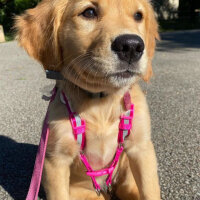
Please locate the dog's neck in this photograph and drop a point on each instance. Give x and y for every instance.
(74, 91)
(58, 76)
(79, 96)
(81, 99)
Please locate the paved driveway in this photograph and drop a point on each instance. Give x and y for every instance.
(174, 100)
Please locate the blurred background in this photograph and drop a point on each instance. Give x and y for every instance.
(172, 14)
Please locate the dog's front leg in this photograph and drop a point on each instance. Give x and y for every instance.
(61, 151)
(143, 165)
(56, 180)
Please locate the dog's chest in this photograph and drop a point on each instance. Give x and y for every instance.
(101, 137)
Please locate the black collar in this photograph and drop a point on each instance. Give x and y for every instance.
(54, 75)
(58, 76)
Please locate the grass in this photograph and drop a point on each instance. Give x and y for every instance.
(9, 37)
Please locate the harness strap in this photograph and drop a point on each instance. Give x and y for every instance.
(39, 162)
(92, 176)
(78, 126)
(125, 124)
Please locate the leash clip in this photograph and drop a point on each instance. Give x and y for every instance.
(109, 189)
(98, 191)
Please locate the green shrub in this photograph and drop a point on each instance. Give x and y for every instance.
(10, 8)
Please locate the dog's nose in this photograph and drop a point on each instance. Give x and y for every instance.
(129, 48)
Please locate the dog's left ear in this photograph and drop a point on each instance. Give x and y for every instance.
(37, 32)
(151, 37)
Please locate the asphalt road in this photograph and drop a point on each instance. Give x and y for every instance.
(174, 100)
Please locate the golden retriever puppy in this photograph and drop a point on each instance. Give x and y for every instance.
(101, 48)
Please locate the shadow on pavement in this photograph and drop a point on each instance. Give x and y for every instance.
(179, 40)
(16, 166)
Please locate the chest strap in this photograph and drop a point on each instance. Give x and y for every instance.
(78, 126)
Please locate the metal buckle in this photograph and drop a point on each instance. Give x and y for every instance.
(77, 129)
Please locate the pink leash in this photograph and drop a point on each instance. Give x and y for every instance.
(39, 162)
(78, 126)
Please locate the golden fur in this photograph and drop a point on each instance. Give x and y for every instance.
(61, 39)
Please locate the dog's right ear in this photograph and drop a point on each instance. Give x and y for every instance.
(37, 32)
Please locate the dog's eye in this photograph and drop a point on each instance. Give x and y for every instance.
(138, 16)
(89, 13)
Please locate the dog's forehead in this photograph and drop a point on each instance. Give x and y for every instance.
(111, 4)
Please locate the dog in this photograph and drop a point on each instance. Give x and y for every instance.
(102, 48)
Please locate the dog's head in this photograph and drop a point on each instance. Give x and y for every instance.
(96, 44)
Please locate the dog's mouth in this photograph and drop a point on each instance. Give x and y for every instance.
(124, 74)
(95, 74)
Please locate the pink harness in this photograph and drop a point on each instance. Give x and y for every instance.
(78, 126)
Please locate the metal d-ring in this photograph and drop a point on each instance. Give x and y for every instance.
(98, 191)
(109, 189)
